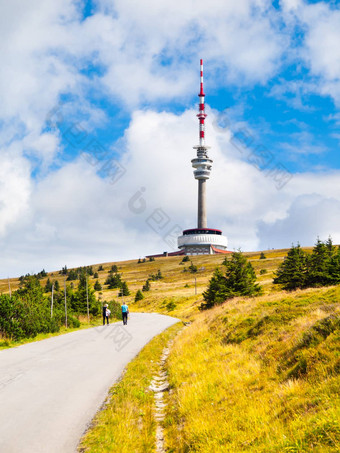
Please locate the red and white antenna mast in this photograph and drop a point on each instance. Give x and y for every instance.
(201, 115)
(202, 164)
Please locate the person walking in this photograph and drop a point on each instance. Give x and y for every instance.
(125, 312)
(106, 314)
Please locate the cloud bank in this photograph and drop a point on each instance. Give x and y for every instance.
(138, 59)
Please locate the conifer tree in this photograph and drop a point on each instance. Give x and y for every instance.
(48, 286)
(79, 299)
(139, 296)
(97, 286)
(147, 286)
(56, 286)
(239, 279)
(302, 270)
(114, 281)
(319, 264)
(292, 272)
(124, 289)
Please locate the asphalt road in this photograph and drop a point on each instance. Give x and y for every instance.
(50, 390)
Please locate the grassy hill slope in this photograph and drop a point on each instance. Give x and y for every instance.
(175, 293)
(254, 374)
(259, 375)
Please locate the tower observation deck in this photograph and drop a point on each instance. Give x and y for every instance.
(202, 240)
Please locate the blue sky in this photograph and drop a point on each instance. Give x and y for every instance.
(99, 101)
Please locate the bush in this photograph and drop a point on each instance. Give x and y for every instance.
(72, 322)
(262, 256)
(185, 259)
(263, 271)
(192, 268)
(27, 312)
(157, 276)
(116, 310)
(171, 305)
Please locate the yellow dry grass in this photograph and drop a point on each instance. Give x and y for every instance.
(255, 375)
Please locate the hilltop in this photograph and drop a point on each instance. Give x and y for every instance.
(175, 292)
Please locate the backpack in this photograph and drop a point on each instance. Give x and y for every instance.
(108, 312)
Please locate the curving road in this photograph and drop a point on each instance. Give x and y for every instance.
(50, 390)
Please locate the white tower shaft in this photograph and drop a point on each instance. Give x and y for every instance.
(202, 163)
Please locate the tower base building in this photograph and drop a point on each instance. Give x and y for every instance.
(206, 241)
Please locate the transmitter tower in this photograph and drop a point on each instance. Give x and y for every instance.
(202, 240)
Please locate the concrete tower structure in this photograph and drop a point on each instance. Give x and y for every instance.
(202, 164)
(202, 240)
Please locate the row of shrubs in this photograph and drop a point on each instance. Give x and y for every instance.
(27, 311)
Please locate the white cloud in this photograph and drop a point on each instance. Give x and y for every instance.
(320, 49)
(308, 217)
(75, 217)
(146, 51)
(239, 39)
(15, 188)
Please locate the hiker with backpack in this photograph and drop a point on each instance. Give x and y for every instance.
(106, 314)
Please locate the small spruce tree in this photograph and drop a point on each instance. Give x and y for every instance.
(147, 286)
(193, 268)
(292, 272)
(124, 289)
(239, 279)
(48, 286)
(139, 295)
(97, 286)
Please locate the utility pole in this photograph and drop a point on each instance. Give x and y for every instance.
(9, 287)
(65, 302)
(52, 301)
(87, 300)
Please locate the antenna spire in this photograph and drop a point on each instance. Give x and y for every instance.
(201, 115)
